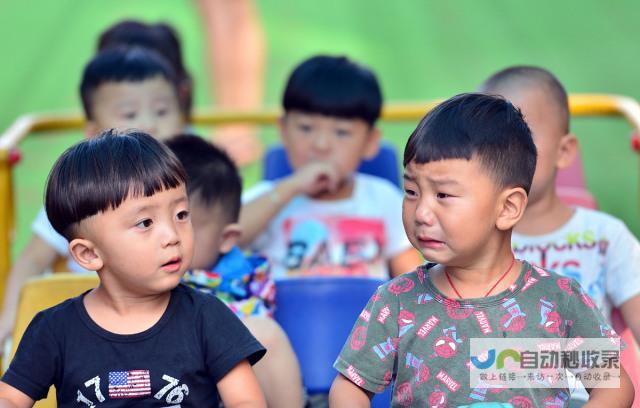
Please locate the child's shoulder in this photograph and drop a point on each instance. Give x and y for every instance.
(595, 225)
(200, 304)
(537, 274)
(585, 223)
(404, 286)
(212, 317)
(62, 309)
(543, 283)
(589, 216)
(58, 320)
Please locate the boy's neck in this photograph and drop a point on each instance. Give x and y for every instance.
(123, 313)
(495, 270)
(544, 216)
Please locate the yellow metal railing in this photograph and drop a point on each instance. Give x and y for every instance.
(580, 105)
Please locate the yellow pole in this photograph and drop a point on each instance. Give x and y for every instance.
(6, 219)
(580, 105)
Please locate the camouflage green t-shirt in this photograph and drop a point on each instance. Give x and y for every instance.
(411, 334)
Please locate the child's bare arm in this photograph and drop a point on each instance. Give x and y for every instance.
(630, 311)
(256, 214)
(344, 393)
(10, 397)
(613, 397)
(404, 262)
(34, 260)
(240, 388)
(310, 179)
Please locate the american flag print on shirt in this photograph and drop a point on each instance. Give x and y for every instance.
(129, 384)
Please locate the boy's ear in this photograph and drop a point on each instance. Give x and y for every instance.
(85, 254)
(567, 151)
(513, 202)
(231, 234)
(373, 143)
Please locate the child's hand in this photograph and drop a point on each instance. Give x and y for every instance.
(316, 178)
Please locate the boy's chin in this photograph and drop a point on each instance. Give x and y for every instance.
(343, 190)
(320, 194)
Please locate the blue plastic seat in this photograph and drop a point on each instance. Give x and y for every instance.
(384, 164)
(317, 313)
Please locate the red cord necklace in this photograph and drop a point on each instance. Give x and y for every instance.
(513, 261)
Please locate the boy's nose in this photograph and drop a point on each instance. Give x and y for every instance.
(321, 142)
(424, 214)
(170, 236)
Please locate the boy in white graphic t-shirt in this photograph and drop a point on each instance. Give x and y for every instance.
(325, 218)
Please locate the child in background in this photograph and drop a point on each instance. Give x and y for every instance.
(120, 88)
(163, 39)
(325, 219)
(221, 269)
(128, 88)
(158, 37)
(589, 246)
(468, 169)
(140, 337)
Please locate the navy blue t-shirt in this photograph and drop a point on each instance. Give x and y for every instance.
(176, 362)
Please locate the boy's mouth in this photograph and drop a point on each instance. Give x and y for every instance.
(173, 265)
(430, 243)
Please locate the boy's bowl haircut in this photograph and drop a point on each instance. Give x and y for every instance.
(160, 38)
(98, 174)
(477, 125)
(133, 64)
(334, 86)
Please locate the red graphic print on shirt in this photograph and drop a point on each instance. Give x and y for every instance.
(334, 246)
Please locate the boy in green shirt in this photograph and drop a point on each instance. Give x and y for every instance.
(468, 170)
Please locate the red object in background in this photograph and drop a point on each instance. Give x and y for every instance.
(14, 157)
(635, 141)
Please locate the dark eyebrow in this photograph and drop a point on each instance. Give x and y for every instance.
(436, 181)
(179, 200)
(143, 209)
(442, 181)
(408, 177)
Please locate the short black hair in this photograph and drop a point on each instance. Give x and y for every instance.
(211, 175)
(159, 37)
(477, 125)
(334, 86)
(526, 77)
(98, 174)
(133, 64)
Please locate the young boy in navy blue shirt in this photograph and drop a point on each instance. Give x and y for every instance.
(123, 88)
(140, 337)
